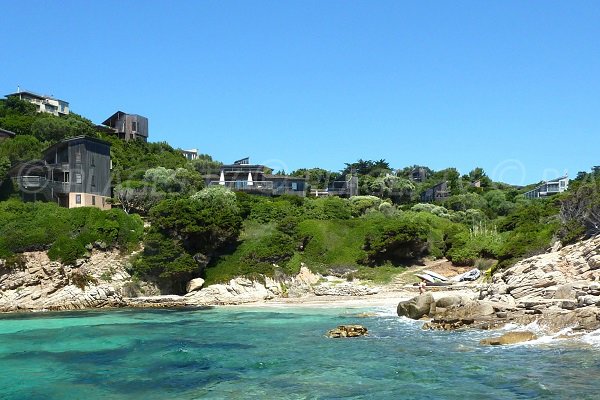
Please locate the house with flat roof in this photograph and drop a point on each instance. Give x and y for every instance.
(127, 126)
(191, 154)
(549, 188)
(4, 134)
(257, 179)
(73, 173)
(44, 103)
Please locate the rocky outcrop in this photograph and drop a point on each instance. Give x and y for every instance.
(344, 289)
(236, 291)
(48, 285)
(349, 331)
(558, 290)
(569, 273)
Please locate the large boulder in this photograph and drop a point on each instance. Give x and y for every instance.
(417, 307)
(509, 338)
(449, 301)
(194, 284)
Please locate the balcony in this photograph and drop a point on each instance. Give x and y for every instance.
(31, 182)
(40, 183)
(255, 186)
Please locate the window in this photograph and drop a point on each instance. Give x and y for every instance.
(77, 199)
(92, 162)
(78, 178)
(78, 156)
(294, 185)
(93, 180)
(93, 200)
(134, 126)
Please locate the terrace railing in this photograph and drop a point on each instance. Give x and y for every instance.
(245, 185)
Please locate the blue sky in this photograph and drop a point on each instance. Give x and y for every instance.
(510, 86)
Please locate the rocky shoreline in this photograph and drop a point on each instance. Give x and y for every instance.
(102, 281)
(558, 290)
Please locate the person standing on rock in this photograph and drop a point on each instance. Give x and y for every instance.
(422, 285)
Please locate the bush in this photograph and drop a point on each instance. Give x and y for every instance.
(396, 241)
(81, 280)
(41, 226)
(66, 249)
(480, 242)
(360, 204)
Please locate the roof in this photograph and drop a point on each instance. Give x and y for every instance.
(557, 179)
(8, 133)
(75, 138)
(32, 94)
(116, 116)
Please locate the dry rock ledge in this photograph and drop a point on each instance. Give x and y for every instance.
(559, 289)
(101, 281)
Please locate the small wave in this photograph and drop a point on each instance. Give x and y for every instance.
(386, 312)
(592, 338)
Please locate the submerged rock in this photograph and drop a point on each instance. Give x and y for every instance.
(343, 331)
(509, 338)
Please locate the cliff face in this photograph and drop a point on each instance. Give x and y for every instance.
(97, 282)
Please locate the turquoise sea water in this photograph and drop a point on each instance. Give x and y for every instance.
(242, 353)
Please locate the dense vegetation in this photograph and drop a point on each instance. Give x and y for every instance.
(214, 233)
(67, 234)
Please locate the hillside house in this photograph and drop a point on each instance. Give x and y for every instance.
(190, 155)
(73, 173)
(549, 188)
(255, 178)
(439, 192)
(128, 126)
(44, 103)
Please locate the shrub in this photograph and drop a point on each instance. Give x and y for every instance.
(81, 280)
(66, 249)
(396, 240)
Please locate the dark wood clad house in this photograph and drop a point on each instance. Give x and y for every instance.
(128, 126)
(74, 173)
(438, 192)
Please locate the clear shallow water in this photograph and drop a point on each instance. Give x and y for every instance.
(240, 353)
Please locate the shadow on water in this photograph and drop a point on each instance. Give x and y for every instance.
(100, 312)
